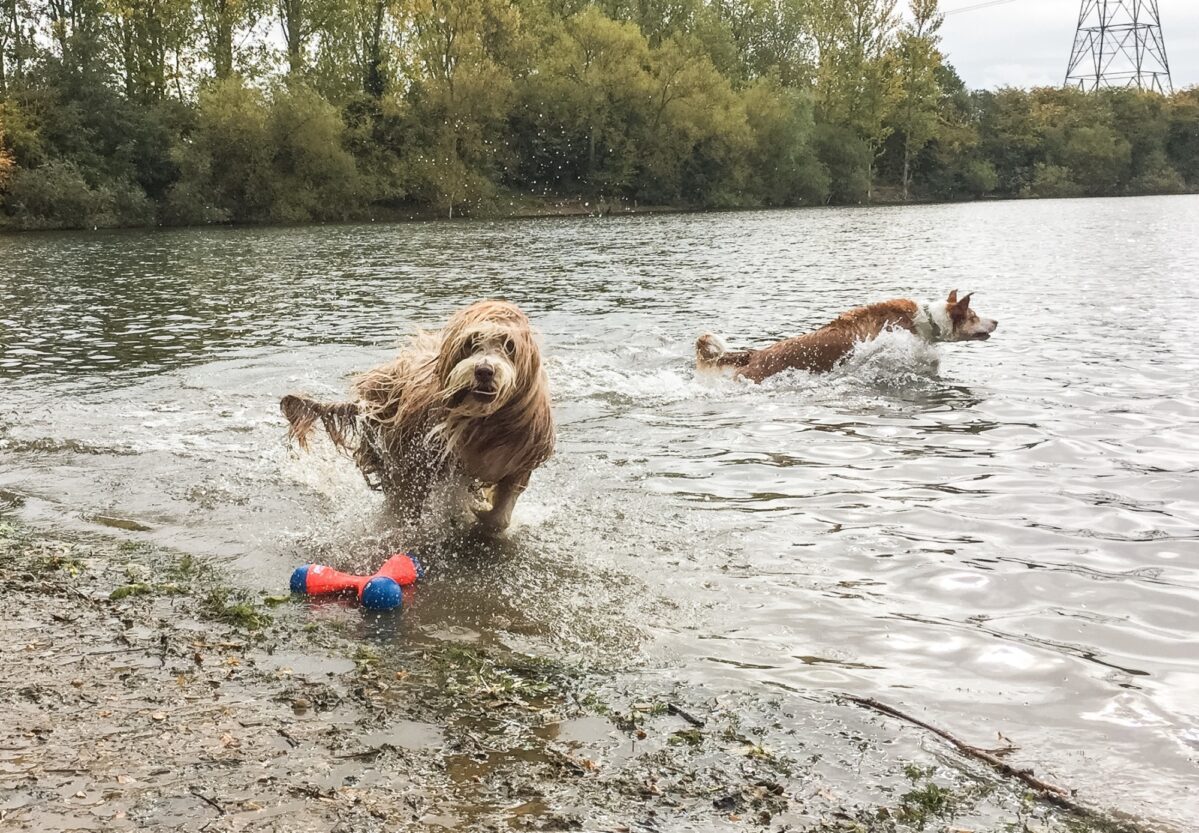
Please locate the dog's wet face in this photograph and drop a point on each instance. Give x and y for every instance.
(967, 325)
(484, 375)
(486, 362)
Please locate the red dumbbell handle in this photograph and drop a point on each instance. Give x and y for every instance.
(321, 580)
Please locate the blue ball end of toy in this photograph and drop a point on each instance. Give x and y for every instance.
(382, 593)
(299, 580)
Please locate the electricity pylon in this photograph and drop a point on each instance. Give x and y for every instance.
(1119, 44)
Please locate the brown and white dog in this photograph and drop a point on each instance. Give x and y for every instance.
(469, 403)
(822, 350)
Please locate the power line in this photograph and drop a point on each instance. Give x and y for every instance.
(976, 7)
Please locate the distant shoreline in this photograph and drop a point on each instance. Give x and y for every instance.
(543, 208)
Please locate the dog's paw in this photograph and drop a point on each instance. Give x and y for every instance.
(491, 521)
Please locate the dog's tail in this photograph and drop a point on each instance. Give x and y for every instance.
(340, 420)
(711, 352)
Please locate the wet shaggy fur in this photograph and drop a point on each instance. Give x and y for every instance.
(469, 403)
(822, 350)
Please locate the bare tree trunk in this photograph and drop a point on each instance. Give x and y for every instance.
(372, 82)
(156, 82)
(9, 20)
(222, 46)
(223, 59)
(128, 58)
(292, 13)
(907, 165)
(591, 153)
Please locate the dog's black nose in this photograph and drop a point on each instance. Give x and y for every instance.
(484, 373)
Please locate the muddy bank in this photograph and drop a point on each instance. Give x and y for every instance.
(143, 689)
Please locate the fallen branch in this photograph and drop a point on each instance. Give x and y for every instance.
(1052, 793)
(211, 802)
(678, 711)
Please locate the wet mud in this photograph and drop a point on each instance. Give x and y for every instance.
(147, 690)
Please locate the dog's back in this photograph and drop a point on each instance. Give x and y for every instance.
(816, 352)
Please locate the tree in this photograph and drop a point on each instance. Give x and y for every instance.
(221, 22)
(130, 111)
(695, 137)
(77, 30)
(1183, 142)
(460, 96)
(953, 164)
(301, 20)
(781, 159)
(768, 36)
(16, 41)
(578, 110)
(855, 81)
(312, 175)
(148, 34)
(7, 164)
(919, 60)
(226, 159)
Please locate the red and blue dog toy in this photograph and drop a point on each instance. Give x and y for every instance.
(381, 591)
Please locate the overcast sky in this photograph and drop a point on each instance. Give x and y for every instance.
(1026, 43)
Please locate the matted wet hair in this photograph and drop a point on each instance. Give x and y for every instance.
(414, 417)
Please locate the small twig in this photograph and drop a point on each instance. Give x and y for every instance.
(1050, 792)
(77, 592)
(211, 802)
(367, 754)
(686, 715)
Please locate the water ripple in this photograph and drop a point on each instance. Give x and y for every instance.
(1007, 534)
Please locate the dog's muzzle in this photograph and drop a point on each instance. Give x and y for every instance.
(484, 386)
(991, 326)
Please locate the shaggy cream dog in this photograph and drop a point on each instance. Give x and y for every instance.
(469, 404)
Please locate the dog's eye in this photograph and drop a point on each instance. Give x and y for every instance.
(510, 347)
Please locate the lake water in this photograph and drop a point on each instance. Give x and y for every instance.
(1008, 541)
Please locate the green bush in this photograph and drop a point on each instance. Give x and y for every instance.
(783, 166)
(979, 178)
(1157, 177)
(846, 157)
(313, 177)
(1053, 181)
(56, 195)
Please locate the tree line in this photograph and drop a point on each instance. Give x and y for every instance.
(132, 112)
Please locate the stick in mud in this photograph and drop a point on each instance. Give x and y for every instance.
(1050, 792)
(678, 710)
(212, 802)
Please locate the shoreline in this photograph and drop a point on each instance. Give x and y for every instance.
(535, 208)
(147, 690)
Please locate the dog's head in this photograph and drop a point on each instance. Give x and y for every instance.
(488, 358)
(965, 324)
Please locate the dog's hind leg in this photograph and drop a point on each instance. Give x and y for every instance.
(340, 420)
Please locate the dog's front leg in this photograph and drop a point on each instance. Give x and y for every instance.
(503, 500)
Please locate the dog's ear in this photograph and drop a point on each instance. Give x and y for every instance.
(963, 306)
(953, 297)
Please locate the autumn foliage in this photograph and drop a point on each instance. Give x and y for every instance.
(206, 111)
